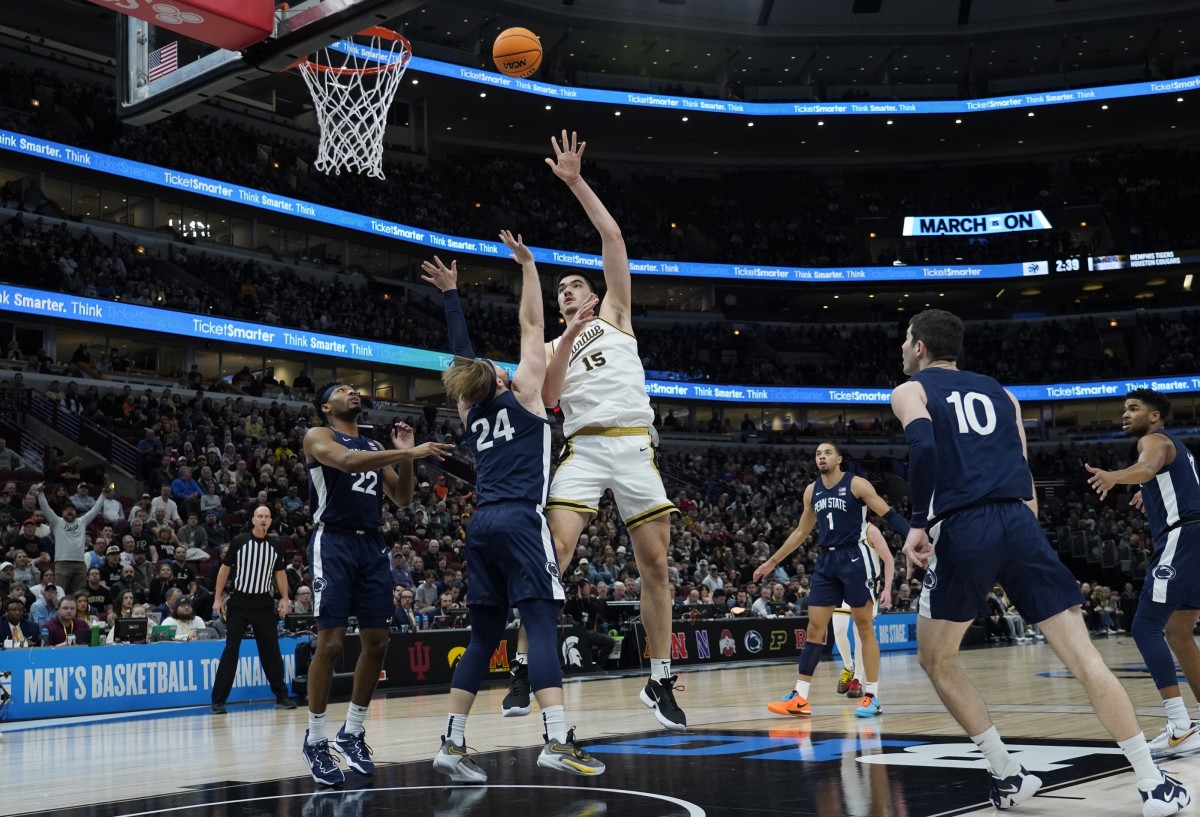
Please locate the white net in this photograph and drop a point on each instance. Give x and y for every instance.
(352, 85)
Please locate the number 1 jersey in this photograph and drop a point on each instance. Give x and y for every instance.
(978, 447)
(512, 452)
(347, 501)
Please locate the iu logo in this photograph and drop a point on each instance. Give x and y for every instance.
(418, 659)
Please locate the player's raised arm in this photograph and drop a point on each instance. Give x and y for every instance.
(320, 445)
(618, 300)
(531, 369)
(865, 492)
(446, 279)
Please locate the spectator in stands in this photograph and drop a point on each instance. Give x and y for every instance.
(16, 630)
(427, 591)
(165, 540)
(183, 571)
(186, 491)
(111, 509)
(67, 628)
(168, 506)
(192, 535)
(141, 508)
(123, 608)
(46, 607)
(9, 459)
(98, 593)
(167, 607)
(38, 547)
(762, 604)
(215, 532)
(69, 536)
(404, 616)
(400, 574)
(303, 603)
(187, 624)
(82, 499)
(23, 570)
(131, 581)
(111, 569)
(46, 582)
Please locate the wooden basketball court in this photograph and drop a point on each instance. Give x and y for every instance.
(735, 759)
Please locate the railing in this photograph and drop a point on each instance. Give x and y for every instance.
(84, 432)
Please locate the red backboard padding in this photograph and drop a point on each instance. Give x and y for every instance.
(228, 24)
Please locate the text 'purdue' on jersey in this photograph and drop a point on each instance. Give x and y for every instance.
(512, 452)
(605, 384)
(978, 446)
(347, 501)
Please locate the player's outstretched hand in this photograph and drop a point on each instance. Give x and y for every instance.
(402, 436)
(520, 253)
(582, 317)
(435, 451)
(764, 569)
(917, 551)
(443, 277)
(568, 156)
(1137, 502)
(1101, 481)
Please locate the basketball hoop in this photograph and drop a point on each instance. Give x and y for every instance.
(352, 85)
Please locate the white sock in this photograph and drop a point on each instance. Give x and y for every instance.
(1177, 714)
(871, 688)
(554, 718)
(316, 727)
(456, 730)
(1138, 754)
(998, 758)
(802, 688)
(354, 719)
(521, 658)
(660, 669)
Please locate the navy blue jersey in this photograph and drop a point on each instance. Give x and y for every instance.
(978, 446)
(841, 518)
(512, 451)
(347, 501)
(1174, 493)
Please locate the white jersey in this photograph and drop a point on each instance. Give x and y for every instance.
(605, 384)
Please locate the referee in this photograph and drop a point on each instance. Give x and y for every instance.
(254, 562)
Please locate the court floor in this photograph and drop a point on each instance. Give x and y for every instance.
(735, 759)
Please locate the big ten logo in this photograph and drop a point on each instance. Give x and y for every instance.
(801, 637)
(499, 662)
(679, 648)
(418, 659)
(778, 639)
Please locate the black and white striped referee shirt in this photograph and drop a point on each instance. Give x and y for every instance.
(253, 563)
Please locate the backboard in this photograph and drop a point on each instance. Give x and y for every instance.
(161, 72)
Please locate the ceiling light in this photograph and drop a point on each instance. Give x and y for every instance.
(1156, 282)
(1029, 293)
(1031, 113)
(685, 119)
(889, 122)
(1144, 294)
(1187, 282)
(1095, 286)
(957, 121)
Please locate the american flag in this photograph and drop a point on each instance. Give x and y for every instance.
(164, 61)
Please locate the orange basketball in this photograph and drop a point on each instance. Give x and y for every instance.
(517, 52)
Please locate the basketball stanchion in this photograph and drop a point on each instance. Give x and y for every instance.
(352, 83)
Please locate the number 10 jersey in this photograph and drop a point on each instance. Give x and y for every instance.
(605, 385)
(978, 446)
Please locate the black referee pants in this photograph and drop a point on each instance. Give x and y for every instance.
(257, 610)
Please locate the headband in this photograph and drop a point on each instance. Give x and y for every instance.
(328, 393)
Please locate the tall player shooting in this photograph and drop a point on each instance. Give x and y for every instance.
(968, 472)
(347, 477)
(1170, 602)
(836, 503)
(508, 544)
(599, 384)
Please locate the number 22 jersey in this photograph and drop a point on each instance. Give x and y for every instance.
(978, 447)
(347, 501)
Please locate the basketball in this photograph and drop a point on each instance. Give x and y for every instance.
(517, 52)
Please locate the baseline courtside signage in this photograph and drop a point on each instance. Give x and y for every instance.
(976, 225)
(36, 302)
(330, 216)
(864, 107)
(51, 682)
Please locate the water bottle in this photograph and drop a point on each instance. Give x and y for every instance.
(422, 622)
(45, 636)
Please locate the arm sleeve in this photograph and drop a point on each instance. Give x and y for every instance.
(922, 468)
(897, 522)
(456, 325)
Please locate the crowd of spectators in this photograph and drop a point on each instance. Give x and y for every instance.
(740, 216)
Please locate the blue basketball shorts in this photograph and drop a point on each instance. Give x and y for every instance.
(351, 576)
(846, 574)
(510, 556)
(988, 543)
(1173, 575)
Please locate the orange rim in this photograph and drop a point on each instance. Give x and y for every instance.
(374, 31)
